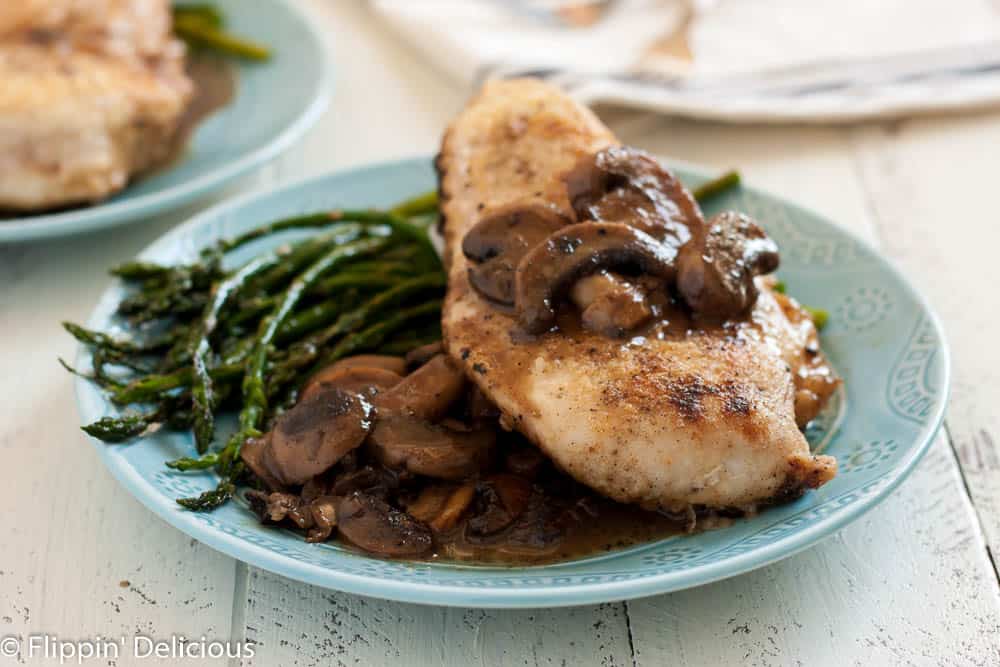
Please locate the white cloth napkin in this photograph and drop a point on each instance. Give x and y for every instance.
(749, 60)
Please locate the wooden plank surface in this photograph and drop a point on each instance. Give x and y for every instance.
(910, 583)
(295, 624)
(79, 556)
(932, 186)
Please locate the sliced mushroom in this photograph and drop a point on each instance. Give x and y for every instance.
(524, 461)
(315, 434)
(716, 277)
(622, 184)
(324, 516)
(375, 481)
(502, 499)
(272, 507)
(479, 406)
(426, 393)
(609, 304)
(315, 487)
(377, 527)
(366, 381)
(551, 268)
(387, 362)
(430, 502)
(497, 243)
(454, 508)
(535, 533)
(432, 450)
(440, 506)
(255, 454)
(419, 356)
(276, 507)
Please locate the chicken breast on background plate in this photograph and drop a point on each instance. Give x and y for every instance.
(681, 417)
(122, 28)
(91, 93)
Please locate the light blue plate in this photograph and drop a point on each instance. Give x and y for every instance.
(275, 103)
(882, 337)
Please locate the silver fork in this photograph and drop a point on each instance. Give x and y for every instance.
(804, 79)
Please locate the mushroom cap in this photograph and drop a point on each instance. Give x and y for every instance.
(524, 460)
(387, 362)
(429, 449)
(550, 268)
(315, 434)
(456, 505)
(609, 304)
(426, 393)
(430, 501)
(498, 242)
(366, 381)
(375, 481)
(375, 526)
(717, 279)
(324, 516)
(419, 356)
(502, 499)
(537, 530)
(254, 453)
(623, 184)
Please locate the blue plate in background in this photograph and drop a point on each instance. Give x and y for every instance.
(275, 103)
(882, 337)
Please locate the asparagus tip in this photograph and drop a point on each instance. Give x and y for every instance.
(820, 317)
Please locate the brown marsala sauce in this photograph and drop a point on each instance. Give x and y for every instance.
(597, 526)
(594, 526)
(587, 524)
(215, 80)
(564, 520)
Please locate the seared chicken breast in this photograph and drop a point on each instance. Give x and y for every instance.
(91, 94)
(130, 29)
(677, 417)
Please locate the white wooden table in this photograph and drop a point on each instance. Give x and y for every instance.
(913, 582)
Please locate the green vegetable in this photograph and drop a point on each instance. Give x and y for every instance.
(203, 462)
(179, 292)
(374, 335)
(303, 354)
(716, 186)
(203, 29)
(101, 380)
(102, 340)
(819, 316)
(206, 14)
(311, 221)
(254, 393)
(152, 387)
(419, 205)
(141, 270)
(201, 339)
(118, 429)
(202, 393)
(210, 500)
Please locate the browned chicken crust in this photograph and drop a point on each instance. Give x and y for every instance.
(91, 94)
